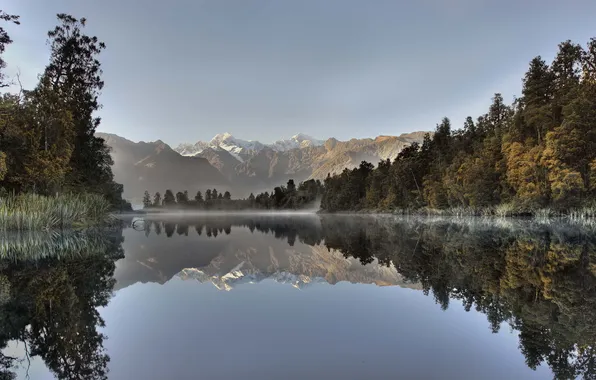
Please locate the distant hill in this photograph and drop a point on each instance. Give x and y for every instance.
(154, 166)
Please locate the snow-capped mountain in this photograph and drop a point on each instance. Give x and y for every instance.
(297, 141)
(241, 149)
(237, 277)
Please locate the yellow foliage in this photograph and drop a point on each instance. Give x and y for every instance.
(525, 172)
(3, 168)
(564, 182)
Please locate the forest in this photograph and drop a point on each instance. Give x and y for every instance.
(47, 134)
(290, 197)
(538, 153)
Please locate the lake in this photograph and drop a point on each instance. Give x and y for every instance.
(301, 296)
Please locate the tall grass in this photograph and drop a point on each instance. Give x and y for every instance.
(36, 212)
(39, 245)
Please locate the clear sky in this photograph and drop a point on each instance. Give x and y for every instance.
(183, 71)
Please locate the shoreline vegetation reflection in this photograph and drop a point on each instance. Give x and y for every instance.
(540, 279)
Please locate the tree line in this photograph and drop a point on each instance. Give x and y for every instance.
(538, 152)
(286, 197)
(47, 134)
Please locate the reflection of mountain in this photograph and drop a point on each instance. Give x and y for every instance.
(228, 258)
(299, 266)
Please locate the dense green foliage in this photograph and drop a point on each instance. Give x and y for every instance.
(287, 197)
(37, 212)
(47, 134)
(538, 152)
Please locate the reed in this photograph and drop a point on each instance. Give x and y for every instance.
(54, 244)
(35, 212)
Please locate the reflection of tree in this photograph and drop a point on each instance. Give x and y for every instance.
(540, 280)
(52, 309)
(306, 230)
(169, 228)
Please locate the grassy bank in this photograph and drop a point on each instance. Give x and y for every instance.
(500, 211)
(36, 212)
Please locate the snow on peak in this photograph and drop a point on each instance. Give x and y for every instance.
(222, 137)
(237, 276)
(241, 148)
(299, 140)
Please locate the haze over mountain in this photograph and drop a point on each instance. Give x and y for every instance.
(154, 166)
(242, 166)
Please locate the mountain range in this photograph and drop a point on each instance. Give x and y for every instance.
(241, 166)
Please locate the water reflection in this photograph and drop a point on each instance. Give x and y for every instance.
(50, 288)
(540, 279)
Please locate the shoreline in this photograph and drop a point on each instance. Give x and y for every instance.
(578, 214)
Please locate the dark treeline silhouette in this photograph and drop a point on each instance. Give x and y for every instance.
(49, 305)
(539, 279)
(281, 198)
(539, 152)
(305, 230)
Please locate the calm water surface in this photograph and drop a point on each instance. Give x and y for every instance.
(301, 297)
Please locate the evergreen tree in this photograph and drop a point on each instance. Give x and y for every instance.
(199, 197)
(168, 198)
(227, 196)
(291, 186)
(157, 199)
(180, 199)
(146, 200)
(74, 73)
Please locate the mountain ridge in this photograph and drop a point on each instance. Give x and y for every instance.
(241, 148)
(242, 166)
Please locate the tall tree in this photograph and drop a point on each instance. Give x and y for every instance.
(74, 72)
(180, 198)
(146, 200)
(157, 199)
(5, 40)
(168, 198)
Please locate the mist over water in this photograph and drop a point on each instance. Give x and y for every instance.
(294, 295)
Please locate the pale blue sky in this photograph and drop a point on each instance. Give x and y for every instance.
(181, 71)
